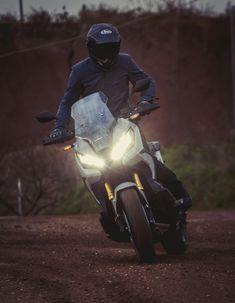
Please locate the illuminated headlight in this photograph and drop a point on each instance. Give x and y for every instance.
(91, 160)
(124, 143)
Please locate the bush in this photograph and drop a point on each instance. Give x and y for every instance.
(207, 172)
(76, 200)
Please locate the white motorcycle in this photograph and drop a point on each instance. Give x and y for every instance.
(117, 166)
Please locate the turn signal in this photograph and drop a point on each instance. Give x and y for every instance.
(68, 147)
(135, 116)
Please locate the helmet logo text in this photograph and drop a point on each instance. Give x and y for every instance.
(106, 32)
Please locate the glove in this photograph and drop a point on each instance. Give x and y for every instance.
(58, 135)
(143, 107)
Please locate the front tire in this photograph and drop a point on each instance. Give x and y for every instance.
(138, 225)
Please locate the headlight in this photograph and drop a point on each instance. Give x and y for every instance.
(91, 160)
(124, 143)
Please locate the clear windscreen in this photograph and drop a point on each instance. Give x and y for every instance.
(93, 120)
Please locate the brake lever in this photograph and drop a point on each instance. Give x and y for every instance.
(148, 108)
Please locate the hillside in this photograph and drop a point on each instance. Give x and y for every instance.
(187, 55)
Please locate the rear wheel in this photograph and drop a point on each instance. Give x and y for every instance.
(138, 225)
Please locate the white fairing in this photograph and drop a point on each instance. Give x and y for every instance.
(97, 130)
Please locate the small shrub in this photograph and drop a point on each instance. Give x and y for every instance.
(207, 172)
(77, 200)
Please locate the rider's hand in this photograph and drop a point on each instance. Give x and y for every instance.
(58, 135)
(143, 106)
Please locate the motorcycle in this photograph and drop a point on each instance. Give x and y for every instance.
(117, 166)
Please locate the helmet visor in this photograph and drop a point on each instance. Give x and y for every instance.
(105, 50)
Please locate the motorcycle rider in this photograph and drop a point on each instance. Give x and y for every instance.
(109, 71)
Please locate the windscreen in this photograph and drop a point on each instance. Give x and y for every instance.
(93, 120)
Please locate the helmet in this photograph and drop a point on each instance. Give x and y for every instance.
(103, 43)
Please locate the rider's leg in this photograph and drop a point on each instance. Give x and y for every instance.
(169, 180)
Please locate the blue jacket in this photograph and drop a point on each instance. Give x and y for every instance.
(87, 78)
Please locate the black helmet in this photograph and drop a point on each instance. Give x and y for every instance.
(103, 43)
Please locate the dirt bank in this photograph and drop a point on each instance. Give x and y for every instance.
(188, 56)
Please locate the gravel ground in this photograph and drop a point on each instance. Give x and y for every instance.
(69, 259)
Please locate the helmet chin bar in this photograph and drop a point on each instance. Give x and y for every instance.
(104, 63)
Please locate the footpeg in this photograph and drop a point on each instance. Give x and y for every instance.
(161, 226)
(159, 229)
(179, 203)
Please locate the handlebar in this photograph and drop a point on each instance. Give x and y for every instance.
(148, 108)
(139, 111)
(65, 135)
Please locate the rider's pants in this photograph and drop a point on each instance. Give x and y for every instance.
(168, 179)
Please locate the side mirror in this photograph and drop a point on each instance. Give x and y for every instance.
(45, 117)
(140, 85)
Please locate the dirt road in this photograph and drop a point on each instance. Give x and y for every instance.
(69, 259)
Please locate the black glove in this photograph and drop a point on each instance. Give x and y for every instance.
(58, 135)
(144, 107)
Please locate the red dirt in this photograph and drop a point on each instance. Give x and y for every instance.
(69, 259)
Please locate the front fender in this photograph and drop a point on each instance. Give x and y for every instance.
(121, 187)
(117, 190)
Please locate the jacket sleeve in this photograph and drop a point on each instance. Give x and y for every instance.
(72, 94)
(135, 73)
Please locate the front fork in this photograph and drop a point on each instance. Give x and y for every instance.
(113, 198)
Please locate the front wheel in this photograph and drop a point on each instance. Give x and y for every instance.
(138, 225)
